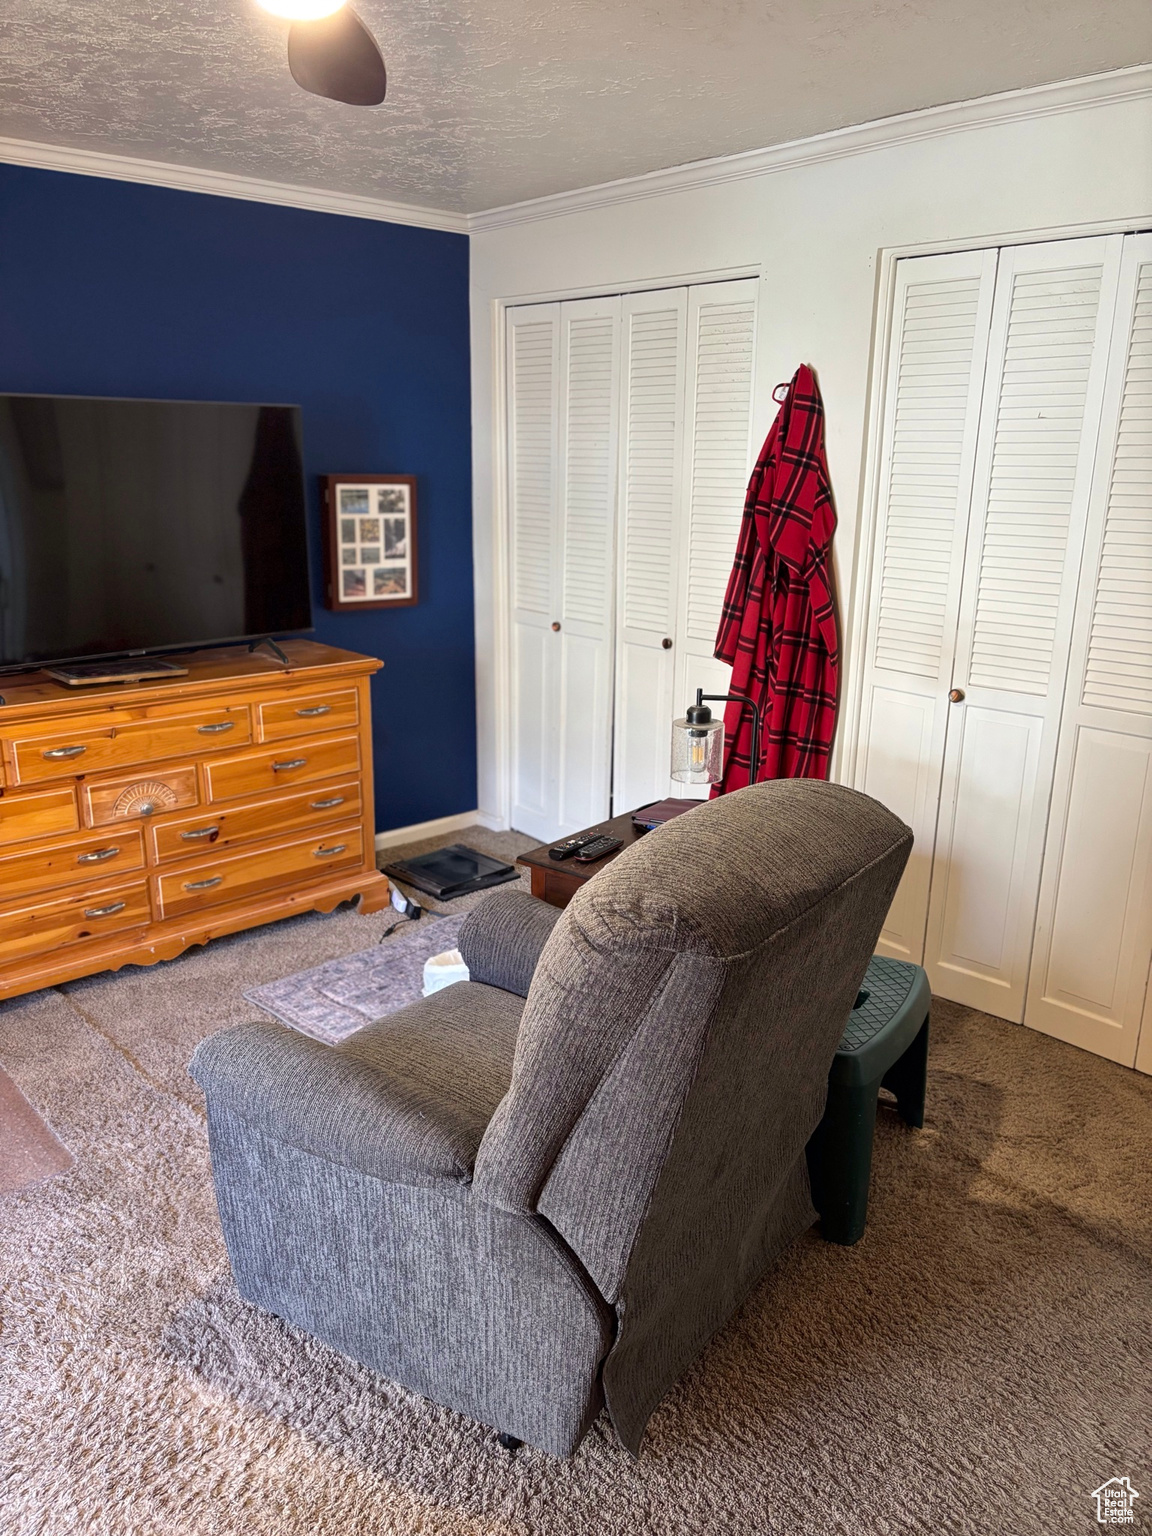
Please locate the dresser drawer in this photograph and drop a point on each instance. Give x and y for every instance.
(72, 748)
(107, 801)
(247, 874)
(183, 837)
(95, 855)
(47, 813)
(91, 914)
(333, 711)
(301, 763)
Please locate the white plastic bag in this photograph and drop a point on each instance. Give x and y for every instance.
(443, 971)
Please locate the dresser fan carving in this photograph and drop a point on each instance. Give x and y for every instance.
(145, 799)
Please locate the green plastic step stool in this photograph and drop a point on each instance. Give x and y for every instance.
(885, 1046)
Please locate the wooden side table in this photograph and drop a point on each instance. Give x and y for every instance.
(556, 881)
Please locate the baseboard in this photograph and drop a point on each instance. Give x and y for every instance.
(421, 829)
(491, 821)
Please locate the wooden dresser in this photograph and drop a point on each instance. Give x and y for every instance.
(137, 819)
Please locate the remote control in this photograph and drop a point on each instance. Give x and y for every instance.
(598, 848)
(572, 845)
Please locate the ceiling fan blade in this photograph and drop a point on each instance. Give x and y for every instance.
(337, 57)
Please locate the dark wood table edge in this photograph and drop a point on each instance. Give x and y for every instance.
(556, 881)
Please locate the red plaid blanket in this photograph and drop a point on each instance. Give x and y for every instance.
(778, 628)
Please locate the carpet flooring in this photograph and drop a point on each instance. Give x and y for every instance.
(29, 1151)
(978, 1363)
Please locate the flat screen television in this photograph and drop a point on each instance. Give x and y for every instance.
(134, 526)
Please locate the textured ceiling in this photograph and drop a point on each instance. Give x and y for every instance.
(494, 101)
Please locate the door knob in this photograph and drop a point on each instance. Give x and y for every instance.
(957, 695)
(666, 643)
(556, 626)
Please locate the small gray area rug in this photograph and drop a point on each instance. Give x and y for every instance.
(334, 1000)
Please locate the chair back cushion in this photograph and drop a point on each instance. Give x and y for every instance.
(683, 1017)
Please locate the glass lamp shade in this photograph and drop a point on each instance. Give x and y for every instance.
(697, 750)
(301, 10)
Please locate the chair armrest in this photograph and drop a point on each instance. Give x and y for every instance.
(405, 1099)
(503, 937)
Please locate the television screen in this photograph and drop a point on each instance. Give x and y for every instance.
(138, 525)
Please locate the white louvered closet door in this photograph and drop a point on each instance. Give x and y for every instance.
(563, 380)
(580, 711)
(628, 455)
(1090, 971)
(533, 373)
(942, 313)
(1040, 417)
(719, 457)
(687, 402)
(650, 537)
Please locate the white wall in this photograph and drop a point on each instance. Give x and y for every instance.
(815, 231)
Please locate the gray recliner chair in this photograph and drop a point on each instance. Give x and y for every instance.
(547, 1188)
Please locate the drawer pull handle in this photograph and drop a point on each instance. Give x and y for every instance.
(115, 906)
(316, 709)
(328, 853)
(57, 752)
(97, 856)
(289, 762)
(203, 885)
(197, 833)
(326, 805)
(218, 725)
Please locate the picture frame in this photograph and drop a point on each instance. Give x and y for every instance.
(369, 542)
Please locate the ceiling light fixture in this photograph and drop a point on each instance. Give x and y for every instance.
(331, 52)
(302, 10)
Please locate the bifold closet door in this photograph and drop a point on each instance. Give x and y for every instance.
(995, 384)
(653, 347)
(938, 351)
(563, 378)
(1090, 970)
(1036, 443)
(583, 629)
(687, 360)
(720, 455)
(533, 374)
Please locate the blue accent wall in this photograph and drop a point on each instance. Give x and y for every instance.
(111, 288)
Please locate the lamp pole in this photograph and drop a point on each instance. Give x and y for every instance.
(738, 698)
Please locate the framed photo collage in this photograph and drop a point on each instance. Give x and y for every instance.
(370, 541)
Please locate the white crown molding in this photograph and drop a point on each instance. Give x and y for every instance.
(1115, 86)
(158, 173)
(1118, 85)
